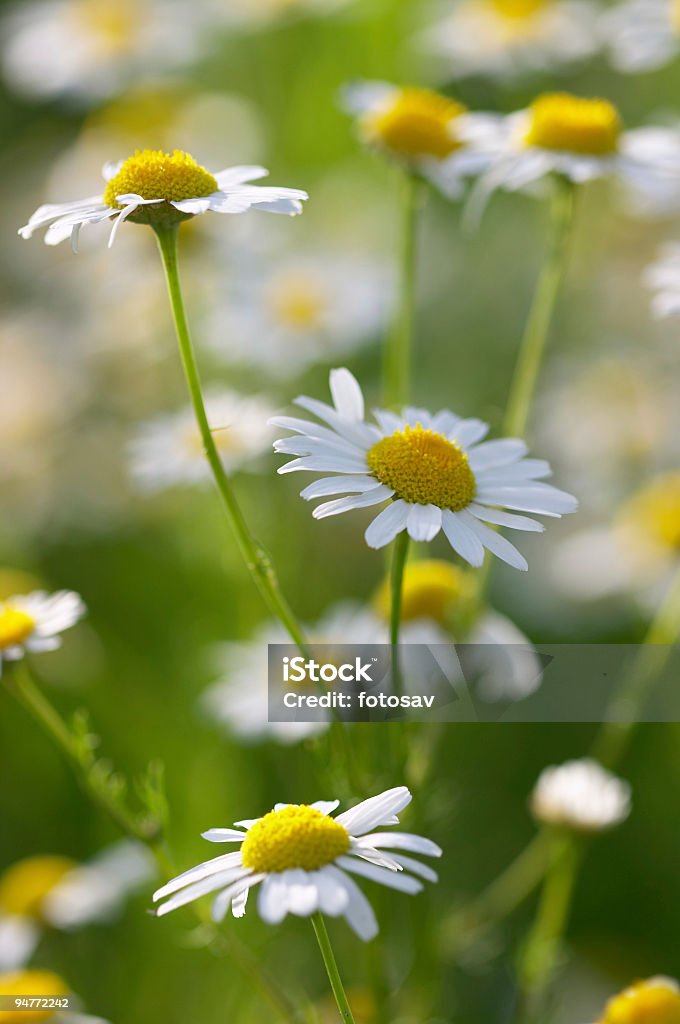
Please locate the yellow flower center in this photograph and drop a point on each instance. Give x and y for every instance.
(297, 301)
(153, 174)
(518, 9)
(590, 127)
(431, 589)
(418, 123)
(656, 1001)
(112, 24)
(24, 886)
(655, 510)
(294, 837)
(30, 983)
(15, 626)
(423, 468)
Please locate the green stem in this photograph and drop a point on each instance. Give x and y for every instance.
(332, 968)
(534, 342)
(256, 558)
(400, 554)
(398, 354)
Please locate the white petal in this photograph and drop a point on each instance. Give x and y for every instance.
(385, 527)
(333, 896)
(359, 912)
(500, 518)
(202, 888)
(495, 542)
(239, 175)
(19, 937)
(424, 522)
(496, 453)
(335, 508)
(326, 806)
(390, 879)
(538, 498)
(461, 538)
(210, 867)
(339, 485)
(237, 891)
(224, 835)
(468, 432)
(302, 892)
(403, 841)
(324, 464)
(377, 810)
(347, 395)
(423, 870)
(272, 903)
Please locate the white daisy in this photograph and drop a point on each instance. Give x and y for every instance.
(581, 795)
(641, 35)
(431, 468)
(168, 450)
(157, 188)
(57, 892)
(418, 128)
(31, 623)
(40, 984)
(304, 859)
(663, 280)
(505, 37)
(580, 139)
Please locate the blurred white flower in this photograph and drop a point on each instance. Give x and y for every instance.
(153, 187)
(92, 48)
(168, 450)
(31, 623)
(56, 892)
(431, 469)
(663, 279)
(506, 37)
(40, 984)
(580, 795)
(418, 128)
(304, 859)
(641, 35)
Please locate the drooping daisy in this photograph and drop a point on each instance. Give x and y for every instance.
(580, 795)
(56, 892)
(157, 188)
(663, 279)
(431, 468)
(505, 37)
(168, 451)
(653, 1001)
(31, 623)
(40, 984)
(641, 35)
(303, 860)
(578, 138)
(417, 128)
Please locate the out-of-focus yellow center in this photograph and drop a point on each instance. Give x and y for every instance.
(298, 301)
(294, 837)
(590, 127)
(675, 16)
(423, 468)
(113, 23)
(519, 9)
(15, 626)
(656, 1001)
(430, 590)
(153, 174)
(654, 511)
(24, 885)
(417, 123)
(30, 983)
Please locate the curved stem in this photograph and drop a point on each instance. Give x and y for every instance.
(256, 558)
(324, 941)
(397, 354)
(534, 341)
(400, 554)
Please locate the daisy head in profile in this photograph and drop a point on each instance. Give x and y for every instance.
(653, 1001)
(580, 795)
(32, 623)
(161, 190)
(418, 129)
(435, 471)
(303, 860)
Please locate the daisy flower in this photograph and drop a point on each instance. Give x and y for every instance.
(579, 138)
(417, 128)
(431, 468)
(168, 450)
(303, 859)
(40, 984)
(641, 35)
(663, 279)
(505, 37)
(580, 795)
(161, 189)
(654, 1001)
(57, 892)
(31, 623)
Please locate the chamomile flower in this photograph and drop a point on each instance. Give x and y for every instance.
(418, 129)
(641, 35)
(580, 795)
(40, 984)
(663, 280)
(303, 860)
(56, 892)
(168, 451)
(506, 37)
(431, 468)
(31, 623)
(157, 188)
(654, 1001)
(578, 138)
